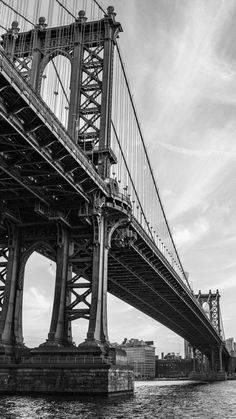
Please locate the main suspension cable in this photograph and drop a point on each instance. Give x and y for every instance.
(148, 161)
(100, 7)
(18, 13)
(65, 8)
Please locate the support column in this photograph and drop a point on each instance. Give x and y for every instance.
(112, 28)
(7, 337)
(18, 316)
(220, 358)
(36, 56)
(97, 336)
(58, 334)
(76, 75)
(212, 360)
(194, 360)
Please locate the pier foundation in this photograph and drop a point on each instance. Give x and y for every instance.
(65, 373)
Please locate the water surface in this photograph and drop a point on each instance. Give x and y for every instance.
(151, 400)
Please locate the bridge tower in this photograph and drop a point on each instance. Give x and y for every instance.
(212, 300)
(79, 243)
(212, 367)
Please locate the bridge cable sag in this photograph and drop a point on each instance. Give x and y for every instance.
(148, 160)
(127, 168)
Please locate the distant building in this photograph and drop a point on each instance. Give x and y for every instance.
(141, 356)
(230, 344)
(173, 366)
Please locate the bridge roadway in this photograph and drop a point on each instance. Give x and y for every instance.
(42, 168)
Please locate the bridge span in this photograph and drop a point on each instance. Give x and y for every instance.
(62, 197)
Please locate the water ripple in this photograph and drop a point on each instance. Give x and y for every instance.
(151, 400)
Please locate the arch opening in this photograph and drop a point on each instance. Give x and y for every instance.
(55, 85)
(39, 284)
(206, 308)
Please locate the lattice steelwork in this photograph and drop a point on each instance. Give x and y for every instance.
(4, 253)
(90, 106)
(211, 301)
(80, 283)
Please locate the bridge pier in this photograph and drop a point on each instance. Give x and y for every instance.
(64, 371)
(81, 281)
(212, 369)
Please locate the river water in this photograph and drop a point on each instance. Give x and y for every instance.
(151, 400)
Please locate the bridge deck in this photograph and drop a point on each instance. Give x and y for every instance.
(142, 277)
(41, 168)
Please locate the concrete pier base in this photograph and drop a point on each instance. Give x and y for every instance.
(67, 379)
(65, 372)
(208, 376)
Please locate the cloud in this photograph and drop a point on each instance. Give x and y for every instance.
(190, 235)
(231, 153)
(52, 269)
(36, 302)
(227, 284)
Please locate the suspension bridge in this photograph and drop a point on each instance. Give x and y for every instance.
(77, 186)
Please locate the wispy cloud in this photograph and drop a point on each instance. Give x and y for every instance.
(230, 153)
(227, 284)
(189, 235)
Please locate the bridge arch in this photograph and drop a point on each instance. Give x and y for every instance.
(49, 57)
(28, 294)
(54, 82)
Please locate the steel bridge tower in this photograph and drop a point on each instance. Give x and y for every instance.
(79, 245)
(210, 302)
(59, 200)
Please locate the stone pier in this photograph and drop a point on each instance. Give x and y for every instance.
(67, 373)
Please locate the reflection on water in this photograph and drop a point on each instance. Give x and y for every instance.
(151, 400)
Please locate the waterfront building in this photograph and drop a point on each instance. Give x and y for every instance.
(173, 366)
(141, 356)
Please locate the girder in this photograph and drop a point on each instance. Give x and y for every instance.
(143, 280)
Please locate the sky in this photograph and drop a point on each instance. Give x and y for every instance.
(180, 58)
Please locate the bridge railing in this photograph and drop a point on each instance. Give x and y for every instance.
(134, 172)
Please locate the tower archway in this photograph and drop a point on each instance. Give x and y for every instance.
(39, 284)
(54, 83)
